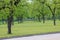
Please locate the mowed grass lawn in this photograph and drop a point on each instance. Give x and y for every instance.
(29, 27)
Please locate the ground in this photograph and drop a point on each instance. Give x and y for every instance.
(29, 27)
(55, 36)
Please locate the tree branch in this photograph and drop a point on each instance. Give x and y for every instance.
(16, 2)
(49, 8)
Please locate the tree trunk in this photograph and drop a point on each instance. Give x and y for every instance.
(53, 13)
(10, 20)
(54, 19)
(43, 18)
(2, 20)
(21, 20)
(18, 19)
(9, 27)
(39, 19)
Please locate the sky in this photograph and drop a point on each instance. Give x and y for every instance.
(29, 1)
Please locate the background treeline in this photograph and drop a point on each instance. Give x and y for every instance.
(24, 10)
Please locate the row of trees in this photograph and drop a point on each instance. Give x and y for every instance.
(11, 10)
(49, 8)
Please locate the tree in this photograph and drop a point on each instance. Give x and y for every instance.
(52, 8)
(10, 17)
(10, 6)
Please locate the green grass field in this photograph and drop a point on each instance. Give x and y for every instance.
(29, 27)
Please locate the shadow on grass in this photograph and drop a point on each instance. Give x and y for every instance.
(30, 35)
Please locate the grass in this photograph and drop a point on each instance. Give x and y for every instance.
(29, 27)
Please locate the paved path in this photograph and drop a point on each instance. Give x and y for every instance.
(39, 37)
